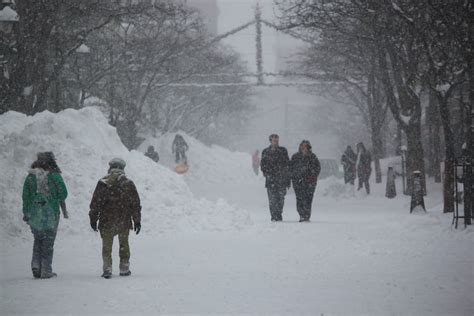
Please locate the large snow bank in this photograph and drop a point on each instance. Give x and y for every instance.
(83, 143)
(208, 164)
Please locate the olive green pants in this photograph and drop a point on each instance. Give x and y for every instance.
(124, 249)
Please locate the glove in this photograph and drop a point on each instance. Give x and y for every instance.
(65, 214)
(26, 218)
(94, 226)
(137, 227)
(312, 178)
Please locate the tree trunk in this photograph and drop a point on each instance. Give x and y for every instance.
(448, 184)
(414, 155)
(377, 148)
(434, 150)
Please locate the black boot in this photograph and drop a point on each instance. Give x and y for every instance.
(107, 275)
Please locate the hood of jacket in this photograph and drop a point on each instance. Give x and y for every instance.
(115, 176)
(41, 180)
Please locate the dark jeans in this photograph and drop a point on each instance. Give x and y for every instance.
(124, 249)
(43, 248)
(276, 199)
(182, 154)
(304, 200)
(364, 181)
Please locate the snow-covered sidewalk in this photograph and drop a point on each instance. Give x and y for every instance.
(355, 257)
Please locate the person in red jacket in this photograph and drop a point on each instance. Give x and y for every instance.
(255, 162)
(304, 169)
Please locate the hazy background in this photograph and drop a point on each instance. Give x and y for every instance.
(288, 111)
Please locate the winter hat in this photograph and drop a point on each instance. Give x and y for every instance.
(117, 163)
(45, 156)
(307, 143)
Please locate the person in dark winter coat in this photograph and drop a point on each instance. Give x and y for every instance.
(179, 148)
(364, 167)
(152, 154)
(44, 193)
(115, 203)
(348, 161)
(304, 169)
(275, 168)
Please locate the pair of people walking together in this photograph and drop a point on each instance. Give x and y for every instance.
(279, 171)
(359, 163)
(115, 204)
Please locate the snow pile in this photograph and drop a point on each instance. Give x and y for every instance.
(335, 188)
(208, 164)
(83, 143)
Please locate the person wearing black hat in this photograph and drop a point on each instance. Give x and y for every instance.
(274, 166)
(115, 204)
(304, 169)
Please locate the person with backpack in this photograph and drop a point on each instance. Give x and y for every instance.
(274, 166)
(44, 192)
(115, 204)
(304, 169)
(179, 148)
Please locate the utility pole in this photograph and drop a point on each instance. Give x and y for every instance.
(258, 43)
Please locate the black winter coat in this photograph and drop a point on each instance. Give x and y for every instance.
(364, 167)
(115, 203)
(304, 169)
(275, 167)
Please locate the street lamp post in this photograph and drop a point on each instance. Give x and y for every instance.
(8, 18)
(8, 21)
(82, 51)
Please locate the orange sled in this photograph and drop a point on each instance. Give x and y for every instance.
(181, 168)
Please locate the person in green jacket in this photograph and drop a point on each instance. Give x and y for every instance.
(44, 192)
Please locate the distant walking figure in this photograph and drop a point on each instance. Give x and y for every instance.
(255, 161)
(43, 194)
(179, 148)
(348, 161)
(304, 169)
(275, 169)
(364, 168)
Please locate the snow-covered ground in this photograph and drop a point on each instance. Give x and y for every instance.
(208, 246)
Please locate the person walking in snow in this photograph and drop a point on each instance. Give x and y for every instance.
(44, 192)
(304, 169)
(348, 161)
(364, 168)
(115, 204)
(255, 162)
(179, 148)
(152, 154)
(275, 169)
